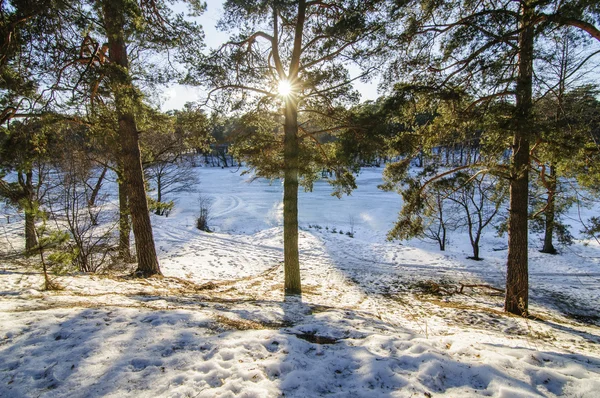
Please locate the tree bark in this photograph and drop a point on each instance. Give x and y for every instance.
(125, 97)
(96, 190)
(124, 224)
(31, 241)
(517, 275)
(291, 154)
(290, 200)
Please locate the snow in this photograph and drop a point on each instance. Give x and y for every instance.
(368, 324)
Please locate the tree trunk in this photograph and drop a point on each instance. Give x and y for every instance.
(549, 214)
(97, 187)
(443, 242)
(124, 224)
(291, 152)
(125, 99)
(290, 200)
(158, 192)
(224, 157)
(31, 240)
(473, 237)
(517, 275)
(475, 247)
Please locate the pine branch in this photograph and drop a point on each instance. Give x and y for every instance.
(566, 21)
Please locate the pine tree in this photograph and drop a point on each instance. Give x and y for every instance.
(290, 59)
(489, 48)
(108, 74)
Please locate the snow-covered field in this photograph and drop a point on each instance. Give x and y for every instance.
(376, 319)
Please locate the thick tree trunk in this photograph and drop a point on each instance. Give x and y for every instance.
(124, 224)
(125, 100)
(549, 215)
(517, 275)
(290, 200)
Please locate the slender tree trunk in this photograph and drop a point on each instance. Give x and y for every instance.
(290, 200)
(549, 214)
(31, 240)
(97, 187)
(473, 238)
(475, 247)
(125, 100)
(517, 275)
(158, 192)
(224, 157)
(443, 242)
(124, 224)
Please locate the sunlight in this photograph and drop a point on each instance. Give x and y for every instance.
(285, 88)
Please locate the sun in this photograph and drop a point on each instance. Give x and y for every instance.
(284, 88)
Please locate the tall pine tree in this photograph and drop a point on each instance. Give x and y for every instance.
(290, 58)
(489, 49)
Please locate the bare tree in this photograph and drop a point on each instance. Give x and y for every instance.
(168, 177)
(90, 226)
(480, 198)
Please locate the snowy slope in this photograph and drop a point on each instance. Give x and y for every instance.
(377, 318)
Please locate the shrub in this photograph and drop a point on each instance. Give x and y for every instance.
(203, 218)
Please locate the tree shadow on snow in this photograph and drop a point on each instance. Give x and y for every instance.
(375, 280)
(111, 350)
(261, 348)
(399, 277)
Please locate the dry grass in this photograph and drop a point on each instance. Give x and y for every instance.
(245, 324)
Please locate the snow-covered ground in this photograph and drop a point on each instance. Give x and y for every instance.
(376, 318)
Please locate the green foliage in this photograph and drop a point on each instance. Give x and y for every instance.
(25, 143)
(262, 51)
(193, 127)
(573, 137)
(53, 244)
(160, 208)
(204, 209)
(592, 229)
(259, 141)
(410, 221)
(53, 249)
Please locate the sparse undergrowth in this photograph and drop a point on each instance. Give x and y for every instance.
(332, 230)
